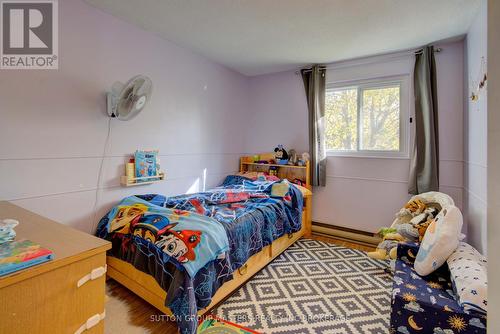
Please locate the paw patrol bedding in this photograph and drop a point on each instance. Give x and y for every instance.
(191, 244)
(192, 240)
(252, 217)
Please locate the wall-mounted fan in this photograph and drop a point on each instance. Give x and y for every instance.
(125, 101)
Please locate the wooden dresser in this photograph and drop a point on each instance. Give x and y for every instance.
(64, 295)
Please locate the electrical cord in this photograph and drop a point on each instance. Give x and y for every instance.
(99, 177)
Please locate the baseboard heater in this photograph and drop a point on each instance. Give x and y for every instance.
(346, 234)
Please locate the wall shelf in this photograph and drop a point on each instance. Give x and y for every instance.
(140, 181)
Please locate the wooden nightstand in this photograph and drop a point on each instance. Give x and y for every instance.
(54, 297)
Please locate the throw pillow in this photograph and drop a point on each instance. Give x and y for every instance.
(440, 240)
(469, 277)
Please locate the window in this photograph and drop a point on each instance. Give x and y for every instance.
(367, 118)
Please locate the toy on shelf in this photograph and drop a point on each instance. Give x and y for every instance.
(292, 157)
(273, 170)
(130, 169)
(270, 164)
(281, 155)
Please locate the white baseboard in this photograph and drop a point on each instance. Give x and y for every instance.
(362, 238)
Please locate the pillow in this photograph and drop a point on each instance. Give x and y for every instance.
(469, 277)
(303, 190)
(259, 176)
(250, 175)
(440, 240)
(280, 189)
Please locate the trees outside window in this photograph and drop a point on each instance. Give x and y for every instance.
(366, 119)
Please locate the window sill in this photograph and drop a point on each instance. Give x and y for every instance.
(394, 156)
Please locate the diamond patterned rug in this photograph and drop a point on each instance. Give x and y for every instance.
(314, 287)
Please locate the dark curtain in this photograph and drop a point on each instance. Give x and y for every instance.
(424, 164)
(314, 84)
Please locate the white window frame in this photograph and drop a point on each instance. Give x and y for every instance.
(404, 115)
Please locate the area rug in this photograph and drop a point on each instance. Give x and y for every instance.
(314, 287)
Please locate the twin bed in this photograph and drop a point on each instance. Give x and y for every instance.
(185, 254)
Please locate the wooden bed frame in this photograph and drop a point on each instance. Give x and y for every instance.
(146, 287)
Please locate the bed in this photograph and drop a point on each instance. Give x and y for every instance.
(258, 226)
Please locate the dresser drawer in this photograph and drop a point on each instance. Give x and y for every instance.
(52, 302)
(255, 263)
(282, 243)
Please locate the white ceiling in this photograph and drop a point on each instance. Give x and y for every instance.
(263, 36)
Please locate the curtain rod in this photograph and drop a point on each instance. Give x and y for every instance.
(395, 55)
(419, 51)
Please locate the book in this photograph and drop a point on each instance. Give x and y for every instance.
(146, 165)
(17, 255)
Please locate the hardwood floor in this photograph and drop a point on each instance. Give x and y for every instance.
(128, 313)
(344, 243)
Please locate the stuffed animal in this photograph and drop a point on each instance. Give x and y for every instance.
(386, 230)
(422, 228)
(411, 209)
(408, 231)
(292, 154)
(410, 224)
(415, 206)
(387, 249)
(422, 221)
(431, 203)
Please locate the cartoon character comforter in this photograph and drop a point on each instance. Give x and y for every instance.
(191, 244)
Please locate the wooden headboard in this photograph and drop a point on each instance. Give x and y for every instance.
(290, 172)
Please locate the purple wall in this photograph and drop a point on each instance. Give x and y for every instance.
(53, 123)
(202, 117)
(361, 193)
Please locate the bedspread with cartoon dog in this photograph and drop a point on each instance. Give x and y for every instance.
(191, 244)
(191, 239)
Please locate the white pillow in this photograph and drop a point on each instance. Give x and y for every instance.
(440, 240)
(470, 278)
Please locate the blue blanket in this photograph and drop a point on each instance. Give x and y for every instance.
(251, 218)
(190, 239)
